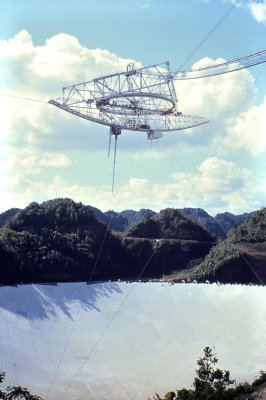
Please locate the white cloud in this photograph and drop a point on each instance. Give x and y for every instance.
(258, 10)
(249, 131)
(222, 176)
(58, 160)
(63, 60)
(151, 155)
(19, 48)
(228, 92)
(218, 185)
(27, 162)
(36, 135)
(38, 138)
(220, 98)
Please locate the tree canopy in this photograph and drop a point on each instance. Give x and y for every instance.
(15, 392)
(212, 383)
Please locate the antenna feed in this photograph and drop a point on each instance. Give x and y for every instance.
(115, 130)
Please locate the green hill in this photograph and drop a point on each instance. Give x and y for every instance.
(61, 240)
(170, 224)
(240, 258)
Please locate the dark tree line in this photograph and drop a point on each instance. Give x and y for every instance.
(61, 240)
(58, 240)
(212, 383)
(15, 392)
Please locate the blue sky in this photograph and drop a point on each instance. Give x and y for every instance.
(46, 153)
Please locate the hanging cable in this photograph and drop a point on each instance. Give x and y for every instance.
(23, 98)
(224, 67)
(148, 261)
(115, 315)
(206, 37)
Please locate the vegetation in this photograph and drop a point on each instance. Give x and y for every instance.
(61, 215)
(219, 255)
(229, 260)
(218, 226)
(15, 392)
(57, 240)
(170, 224)
(207, 221)
(212, 383)
(61, 240)
(121, 221)
(252, 231)
(227, 220)
(6, 215)
(134, 217)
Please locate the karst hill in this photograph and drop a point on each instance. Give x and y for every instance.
(62, 240)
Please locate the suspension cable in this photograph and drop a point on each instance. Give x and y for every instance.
(224, 67)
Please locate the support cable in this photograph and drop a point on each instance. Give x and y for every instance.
(223, 68)
(114, 164)
(206, 37)
(107, 326)
(147, 263)
(23, 98)
(194, 188)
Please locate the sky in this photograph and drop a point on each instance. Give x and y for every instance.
(47, 153)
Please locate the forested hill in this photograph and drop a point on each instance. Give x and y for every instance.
(61, 240)
(7, 215)
(59, 215)
(170, 224)
(239, 258)
(218, 226)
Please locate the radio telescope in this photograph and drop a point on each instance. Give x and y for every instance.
(141, 99)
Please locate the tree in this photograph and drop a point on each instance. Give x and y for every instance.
(15, 392)
(260, 380)
(211, 382)
(167, 396)
(185, 394)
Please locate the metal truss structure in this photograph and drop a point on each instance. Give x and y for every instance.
(142, 99)
(139, 99)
